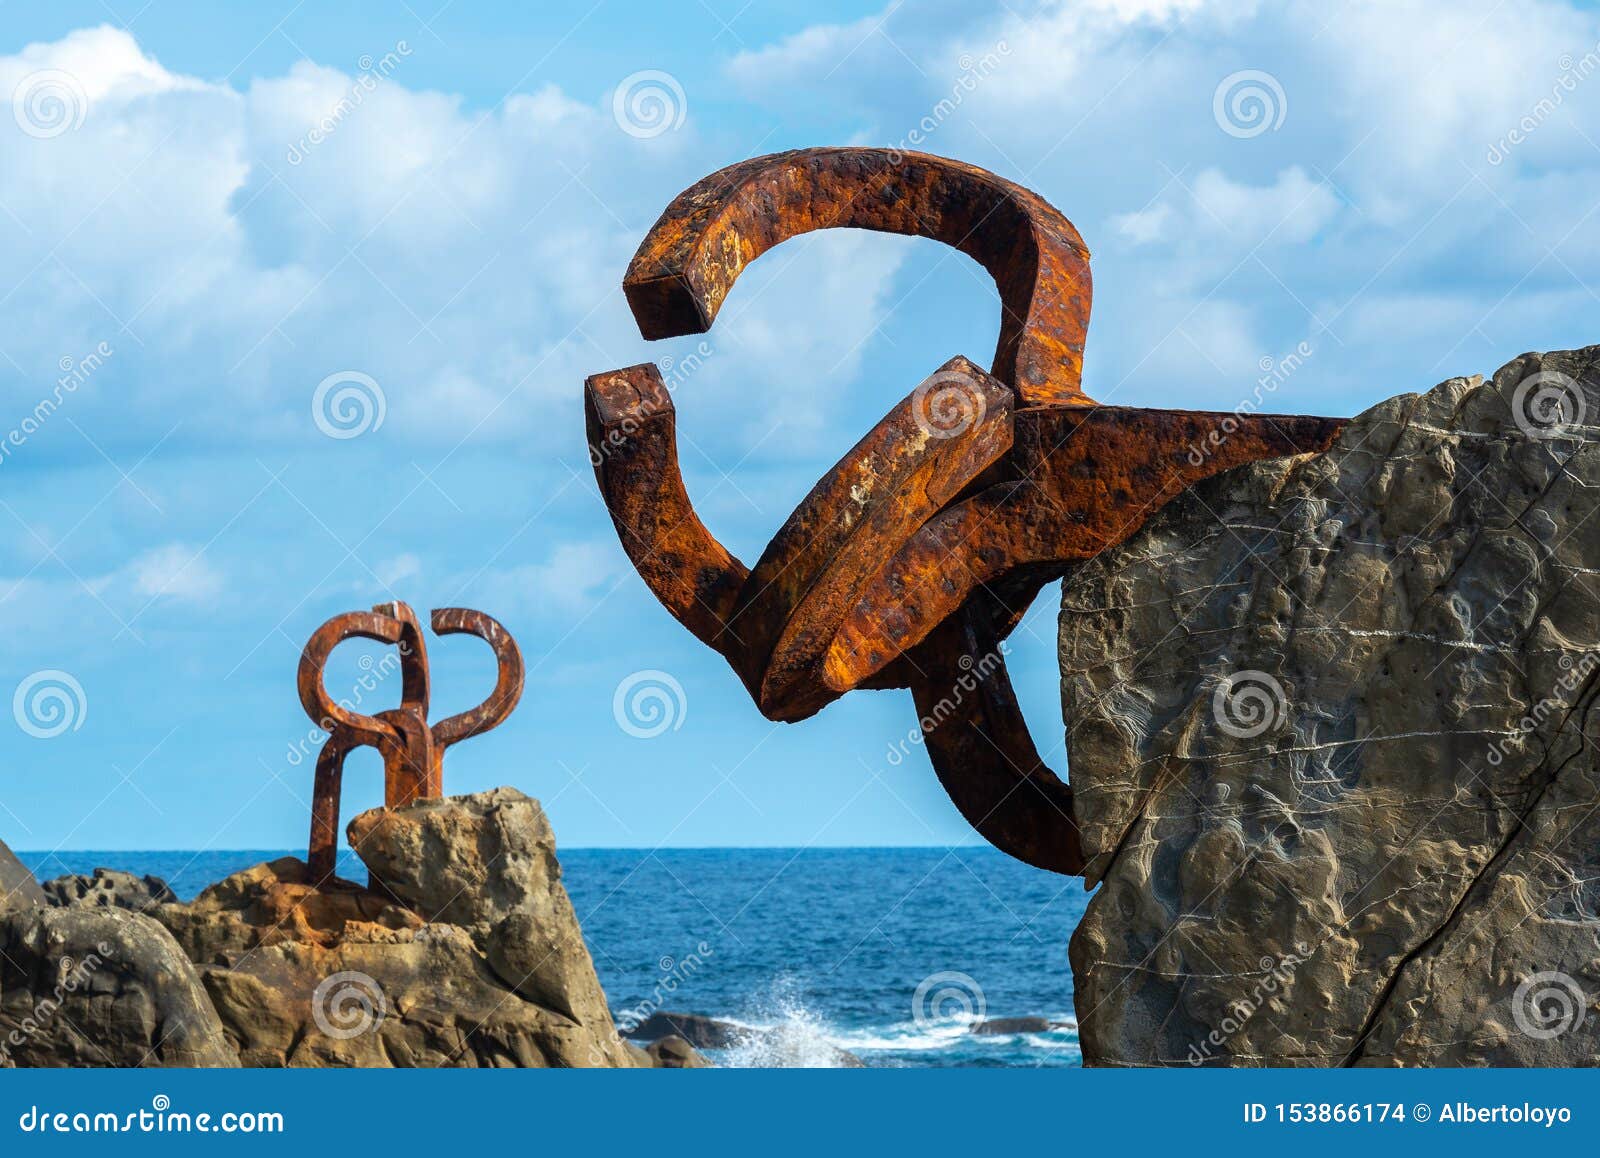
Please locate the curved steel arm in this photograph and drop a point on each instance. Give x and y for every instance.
(492, 712)
(690, 259)
(391, 623)
(633, 445)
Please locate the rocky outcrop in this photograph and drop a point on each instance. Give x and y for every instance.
(784, 1045)
(698, 1030)
(487, 864)
(467, 954)
(17, 886)
(101, 987)
(109, 888)
(673, 1053)
(1332, 734)
(465, 951)
(1006, 1026)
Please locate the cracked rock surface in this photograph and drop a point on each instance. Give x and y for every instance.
(1331, 730)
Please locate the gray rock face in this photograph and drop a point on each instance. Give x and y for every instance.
(109, 888)
(101, 987)
(1331, 728)
(17, 885)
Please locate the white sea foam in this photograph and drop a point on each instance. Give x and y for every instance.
(782, 1032)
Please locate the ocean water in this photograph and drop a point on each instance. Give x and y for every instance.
(890, 954)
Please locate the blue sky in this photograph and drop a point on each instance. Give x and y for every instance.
(1420, 201)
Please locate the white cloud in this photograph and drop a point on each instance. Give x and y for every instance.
(398, 569)
(1145, 226)
(1292, 210)
(565, 586)
(236, 247)
(1377, 187)
(174, 571)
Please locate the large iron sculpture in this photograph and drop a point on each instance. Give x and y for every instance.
(412, 750)
(920, 551)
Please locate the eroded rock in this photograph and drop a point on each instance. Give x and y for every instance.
(470, 956)
(1331, 731)
(487, 864)
(110, 888)
(101, 987)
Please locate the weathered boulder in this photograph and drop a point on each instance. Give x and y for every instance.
(101, 987)
(17, 885)
(487, 864)
(673, 1053)
(1331, 731)
(110, 888)
(470, 956)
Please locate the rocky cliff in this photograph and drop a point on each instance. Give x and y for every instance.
(464, 950)
(1331, 728)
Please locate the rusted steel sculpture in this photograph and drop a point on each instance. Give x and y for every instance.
(412, 751)
(918, 553)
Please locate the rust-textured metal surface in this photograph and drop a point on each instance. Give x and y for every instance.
(683, 271)
(412, 750)
(912, 559)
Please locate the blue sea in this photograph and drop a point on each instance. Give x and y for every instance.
(890, 954)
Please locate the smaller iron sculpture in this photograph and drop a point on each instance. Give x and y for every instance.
(412, 751)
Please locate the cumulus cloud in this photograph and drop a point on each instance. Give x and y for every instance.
(1387, 170)
(236, 247)
(174, 571)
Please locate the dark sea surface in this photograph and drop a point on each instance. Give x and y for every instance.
(891, 954)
